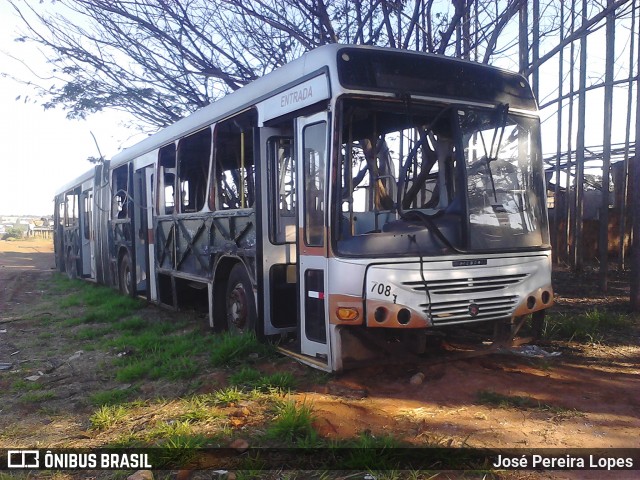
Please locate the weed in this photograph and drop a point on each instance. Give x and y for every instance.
(228, 396)
(293, 423)
(197, 409)
(184, 441)
(107, 416)
(170, 429)
(195, 415)
(178, 450)
(126, 440)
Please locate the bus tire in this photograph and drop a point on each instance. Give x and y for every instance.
(240, 302)
(71, 265)
(125, 275)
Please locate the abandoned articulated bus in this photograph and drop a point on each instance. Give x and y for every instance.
(356, 197)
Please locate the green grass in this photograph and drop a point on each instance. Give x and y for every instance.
(133, 324)
(293, 423)
(37, 397)
(197, 415)
(233, 349)
(368, 452)
(177, 450)
(252, 379)
(153, 353)
(91, 332)
(21, 385)
(102, 304)
(489, 397)
(111, 397)
(126, 440)
(592, 326)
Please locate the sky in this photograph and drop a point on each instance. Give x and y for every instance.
(42, 150)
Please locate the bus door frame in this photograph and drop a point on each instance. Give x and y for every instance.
(142, 230)
(271, 254)
(312, 259)
(87, 246)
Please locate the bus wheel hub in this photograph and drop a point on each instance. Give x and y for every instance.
(237, 303)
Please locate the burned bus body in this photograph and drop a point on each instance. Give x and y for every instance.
(355, 197)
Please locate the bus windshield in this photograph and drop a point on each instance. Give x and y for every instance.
(435, 179)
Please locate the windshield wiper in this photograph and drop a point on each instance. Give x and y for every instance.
(428, 222)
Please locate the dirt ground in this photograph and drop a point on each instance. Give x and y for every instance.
(590, 394)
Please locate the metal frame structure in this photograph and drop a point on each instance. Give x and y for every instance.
(581, 71)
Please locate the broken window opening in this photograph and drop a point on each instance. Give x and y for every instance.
(234, 166)
(71, 209)
(194, 155)
(166, 179)
(281, 162)
(120, 199)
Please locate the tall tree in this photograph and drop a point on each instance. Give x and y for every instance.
(159, 60)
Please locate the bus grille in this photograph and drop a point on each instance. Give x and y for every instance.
(447, 313)
(450, 286)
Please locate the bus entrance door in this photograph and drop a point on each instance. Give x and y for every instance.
(86, 233)
(143, 225)
(311, 159)
(277, 293)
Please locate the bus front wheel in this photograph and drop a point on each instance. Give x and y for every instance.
(240, 302)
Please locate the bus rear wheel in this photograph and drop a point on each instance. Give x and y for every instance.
(125, 272)
(71, 266)
(240, 302)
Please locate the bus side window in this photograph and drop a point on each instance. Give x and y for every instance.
(194, 154)
(234, 169)
(87, 198)
(61, 205)
(71, 209)
(166, 179)
(314, 138)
